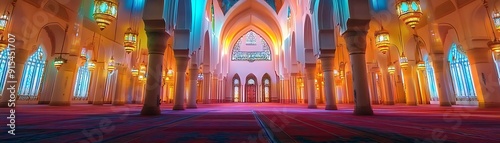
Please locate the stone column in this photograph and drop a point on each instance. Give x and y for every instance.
(411, 98)
(355, 38)
(100, 83)
(157, 43)
(207, 77)
(193, 78)
(327, 66)
(20, 57)
(181, 63)
(64, 82)
(121, 87)
(485, 77)
(311, 89)
(386, 80)
(437, 62)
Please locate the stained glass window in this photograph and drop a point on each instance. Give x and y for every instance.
(431, 80)
(82, 83)
(251, 40)
(32, 74)
(461, 75)
(261, 55)
(4, 60)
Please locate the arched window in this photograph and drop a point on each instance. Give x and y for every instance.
(266, 90)
(431, 80)
(82, 83)
(461, 75)
(32, 74)
(4, 67)
(236, 90)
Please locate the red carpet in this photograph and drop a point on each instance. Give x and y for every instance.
(252, 123)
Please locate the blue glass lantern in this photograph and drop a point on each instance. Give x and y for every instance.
(105, 12)
(409, 11)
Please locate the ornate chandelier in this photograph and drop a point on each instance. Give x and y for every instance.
(382, 40)
(130, 41)
(3, 23)
(91, 65)
(134, 71)
(3, 44)
(59, 61)
(495, 43)
(403, 61)
(496, 19)
(391, 69)
(409, 11)
(421, 65)
(111, 64)
(142, 68)
(105, 12)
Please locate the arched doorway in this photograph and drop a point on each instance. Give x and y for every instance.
(236, 96)
(266, 88)
(251, 89)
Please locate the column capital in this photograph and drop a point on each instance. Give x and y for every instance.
(479, 55)
(327, 64)
(157, 41)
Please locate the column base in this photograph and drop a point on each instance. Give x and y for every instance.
(312, 107)
(120, 103)
(97, 103)
(178, 107)
(445, 104)
(43, 102)
(389, 103)
(331, 107)
(4, 105)
(191, 107)
(150, 110)
(411, 104)
(489, 105)
(363, 110)
(59, 103)
(90, 102)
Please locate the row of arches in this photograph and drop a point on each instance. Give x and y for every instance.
(251, 90)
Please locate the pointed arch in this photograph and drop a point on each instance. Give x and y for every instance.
(251, 85)
(266, 88)
(236, 90)
(32, 74)
(460, 71)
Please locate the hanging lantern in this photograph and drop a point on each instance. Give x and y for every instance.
(141, 78)
(59, 61)
(170, 72)
(83, 54)
(495, 46)
(496, 19)
(403, 61)
(3, 44)
(134, 71)
(111, 64)
(200, 77)
(421, 65)
(382, 40)
(3, 23)
(342, 70)
(91, 65)
(142, 68)
(130, 41)
(105, 12)
(409, 11)
(391, 69)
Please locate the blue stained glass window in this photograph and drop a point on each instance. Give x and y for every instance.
(431, 80)
(82, 83)
(4, 60)
(32, 74)
(461, 75)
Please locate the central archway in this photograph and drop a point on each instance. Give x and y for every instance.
(251, 89)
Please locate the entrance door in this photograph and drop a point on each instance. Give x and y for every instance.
(251, 93)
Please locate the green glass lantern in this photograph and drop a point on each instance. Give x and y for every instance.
(105, 12)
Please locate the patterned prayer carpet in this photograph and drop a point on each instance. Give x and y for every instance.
(251, 122)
